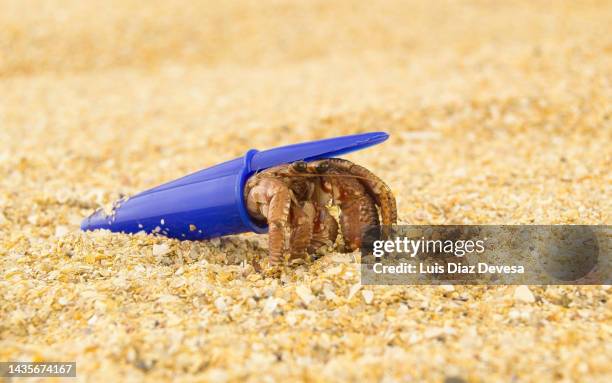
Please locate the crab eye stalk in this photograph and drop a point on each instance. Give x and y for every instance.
(322, 167)
(300, 166)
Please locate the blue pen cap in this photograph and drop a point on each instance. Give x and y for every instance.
(210, 203)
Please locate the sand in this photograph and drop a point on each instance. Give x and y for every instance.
(498, 113)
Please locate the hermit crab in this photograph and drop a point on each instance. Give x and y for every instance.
(302, 196)
(297, 199)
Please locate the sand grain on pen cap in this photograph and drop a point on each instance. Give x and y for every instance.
(498, 113)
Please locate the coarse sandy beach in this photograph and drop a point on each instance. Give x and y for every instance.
(498, 112)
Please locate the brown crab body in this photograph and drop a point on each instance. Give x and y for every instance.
(294, 200)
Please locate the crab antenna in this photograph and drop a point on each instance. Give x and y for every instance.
(319, 175)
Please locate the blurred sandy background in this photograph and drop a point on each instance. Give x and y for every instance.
(499, 112)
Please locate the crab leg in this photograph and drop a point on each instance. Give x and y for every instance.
(357, 209)
(302, 223)
(375, 186)
(325, 230)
